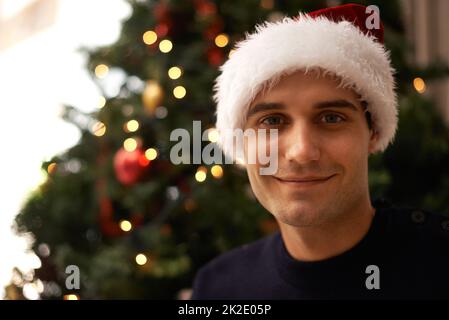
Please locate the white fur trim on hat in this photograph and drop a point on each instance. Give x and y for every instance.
(278, 48)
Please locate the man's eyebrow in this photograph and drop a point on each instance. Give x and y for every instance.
(339, 103)
(264, 106)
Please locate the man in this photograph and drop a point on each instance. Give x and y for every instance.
(325, 82)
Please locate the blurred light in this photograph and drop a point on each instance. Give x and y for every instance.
(125, 225)
(231, 52)
(165, 46)
(51, 168)
(101, 71)
(202, 169)
(30, 291)
(200, 174)
(267, 4)
(101, 102)
(174, 72)
(71, 297)
(44, 250)
(132, 125)
(161, 112)
(190, 205)
(419, 85)
(149, 37)
(99, 129)
(213, 135)
(221, 40)
(217, 171)
(130, 144)
(141, 259)
(173, 193)
(179, 92)
(151, 154)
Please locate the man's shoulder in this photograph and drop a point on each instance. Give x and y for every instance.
(423, 226)
(233, 267)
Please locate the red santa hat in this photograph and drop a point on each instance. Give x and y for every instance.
(336, 40)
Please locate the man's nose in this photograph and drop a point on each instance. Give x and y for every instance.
(301, 145)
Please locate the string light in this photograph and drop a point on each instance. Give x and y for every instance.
(101, 102)
(132, 125)
(71, 297)
(221, 40)
(101, 71)
(141, 259)
(151, 154)
(174, 73)
(130, 144)
(51, 167)
(149, 37)
(125, 225)
(217, 171)
(213, 135)
(179, 92)
(200, 174)
(99, 129)
(419, 85)
(165, 46)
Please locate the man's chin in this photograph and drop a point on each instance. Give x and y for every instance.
(303, 214)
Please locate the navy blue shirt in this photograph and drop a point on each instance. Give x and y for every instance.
(409, 248)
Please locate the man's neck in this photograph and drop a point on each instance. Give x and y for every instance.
(314, 243)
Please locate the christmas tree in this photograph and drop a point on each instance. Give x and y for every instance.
(138, 225)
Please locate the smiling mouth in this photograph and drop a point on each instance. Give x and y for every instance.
(306, 181)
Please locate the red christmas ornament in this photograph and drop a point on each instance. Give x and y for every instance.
(129, 166)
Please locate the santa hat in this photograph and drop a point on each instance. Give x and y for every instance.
(335, 40)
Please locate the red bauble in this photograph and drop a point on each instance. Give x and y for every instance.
(130, 166)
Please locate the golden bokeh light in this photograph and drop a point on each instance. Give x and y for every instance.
(101, 71)
(51, 167)
(419, 85)
(221, 40)
(99, 129)
(149, 37)
(132, 125)
(130, 144)
(125, 225)
(165, 46)
(174, 72)
(151, 154)
(217, 171)
(179, 92)
(101, 102)
(141, 259)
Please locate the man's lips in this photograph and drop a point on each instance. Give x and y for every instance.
(309, 180)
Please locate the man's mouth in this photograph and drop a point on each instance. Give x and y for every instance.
(303, 181)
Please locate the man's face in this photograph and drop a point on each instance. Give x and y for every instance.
(323, 147)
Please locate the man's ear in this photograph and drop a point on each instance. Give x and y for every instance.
(374, 136)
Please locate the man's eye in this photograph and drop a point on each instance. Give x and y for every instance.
(332, 118)
(272, 121)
